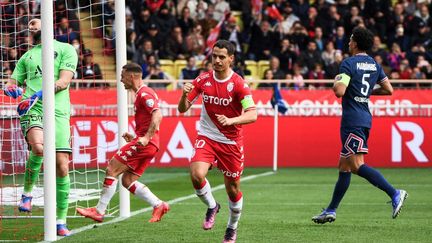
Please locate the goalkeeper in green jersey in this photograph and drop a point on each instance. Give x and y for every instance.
(28, 70)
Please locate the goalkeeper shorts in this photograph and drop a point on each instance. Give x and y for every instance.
(62, 126)
(229, 158)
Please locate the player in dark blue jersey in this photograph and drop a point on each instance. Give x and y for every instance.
(355, 83)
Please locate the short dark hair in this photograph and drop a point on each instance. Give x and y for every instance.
(363, 37)
(133, 68)
(227, 45)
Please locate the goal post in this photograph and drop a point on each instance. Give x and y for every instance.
(49, 148)
(87, 168)
(122, 101)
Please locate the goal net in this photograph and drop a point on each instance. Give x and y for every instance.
(88, 26)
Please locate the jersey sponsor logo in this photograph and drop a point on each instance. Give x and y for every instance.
(150, 102)
(216, 100)
(366, 66)
(361, 99)
(414, 145)
(38, 72)
(70, 65)
(228, 173)
(230, 86)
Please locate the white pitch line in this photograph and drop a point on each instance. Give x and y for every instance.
(173, 201)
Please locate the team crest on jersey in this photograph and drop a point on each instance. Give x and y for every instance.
(150, 102)
(230, 86)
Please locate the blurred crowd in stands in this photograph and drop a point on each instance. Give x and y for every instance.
(298, 39)
(15, 40)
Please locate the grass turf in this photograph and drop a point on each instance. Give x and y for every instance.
(277, 208)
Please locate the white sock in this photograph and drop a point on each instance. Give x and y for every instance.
(143, 192)
(60, 221)
(109, 188)
(235, 213)
(206, 196)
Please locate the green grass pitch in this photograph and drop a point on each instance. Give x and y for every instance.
(277, 208)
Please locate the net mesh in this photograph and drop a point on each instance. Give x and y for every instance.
(88, 26)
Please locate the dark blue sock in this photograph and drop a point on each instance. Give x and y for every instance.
(376, 179)
(340, 188)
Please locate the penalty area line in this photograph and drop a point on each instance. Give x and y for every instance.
(173, 201)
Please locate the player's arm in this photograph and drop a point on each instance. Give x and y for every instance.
(64, 80)
(156, 119)
(247, 117)
(184, 104)
(67, 67)
(250, 115)
(341, 83)
(385, 88)
(11, 89)
(128, 137)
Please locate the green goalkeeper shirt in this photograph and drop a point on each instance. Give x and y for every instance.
(29, 69)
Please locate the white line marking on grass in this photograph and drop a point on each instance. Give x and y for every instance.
(173, 201)
(364, 184)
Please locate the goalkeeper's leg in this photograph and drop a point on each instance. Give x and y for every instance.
(63, 186)
(63, 150)
(34, 138)
(31, 174)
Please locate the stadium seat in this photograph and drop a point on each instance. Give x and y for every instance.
(167, 66)
(252, 66)
(199, 63)
(178, 66)
(238, 16)
(262, 66)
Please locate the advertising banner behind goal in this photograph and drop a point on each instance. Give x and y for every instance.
(311, 142)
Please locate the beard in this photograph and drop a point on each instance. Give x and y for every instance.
(37, 36)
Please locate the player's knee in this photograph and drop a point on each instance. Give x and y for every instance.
(37, 149)
(234, 194)
(112, 171)
(62, 169)
(354, 169)
(197, 177)
(127, 181)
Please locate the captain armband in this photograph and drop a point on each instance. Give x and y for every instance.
(343, 78)
(247, 102)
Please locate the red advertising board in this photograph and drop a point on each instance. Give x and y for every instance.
(311, 142)
(325, 96)
(398, 138)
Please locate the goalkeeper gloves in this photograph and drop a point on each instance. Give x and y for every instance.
(25, 105)
(13, 91)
